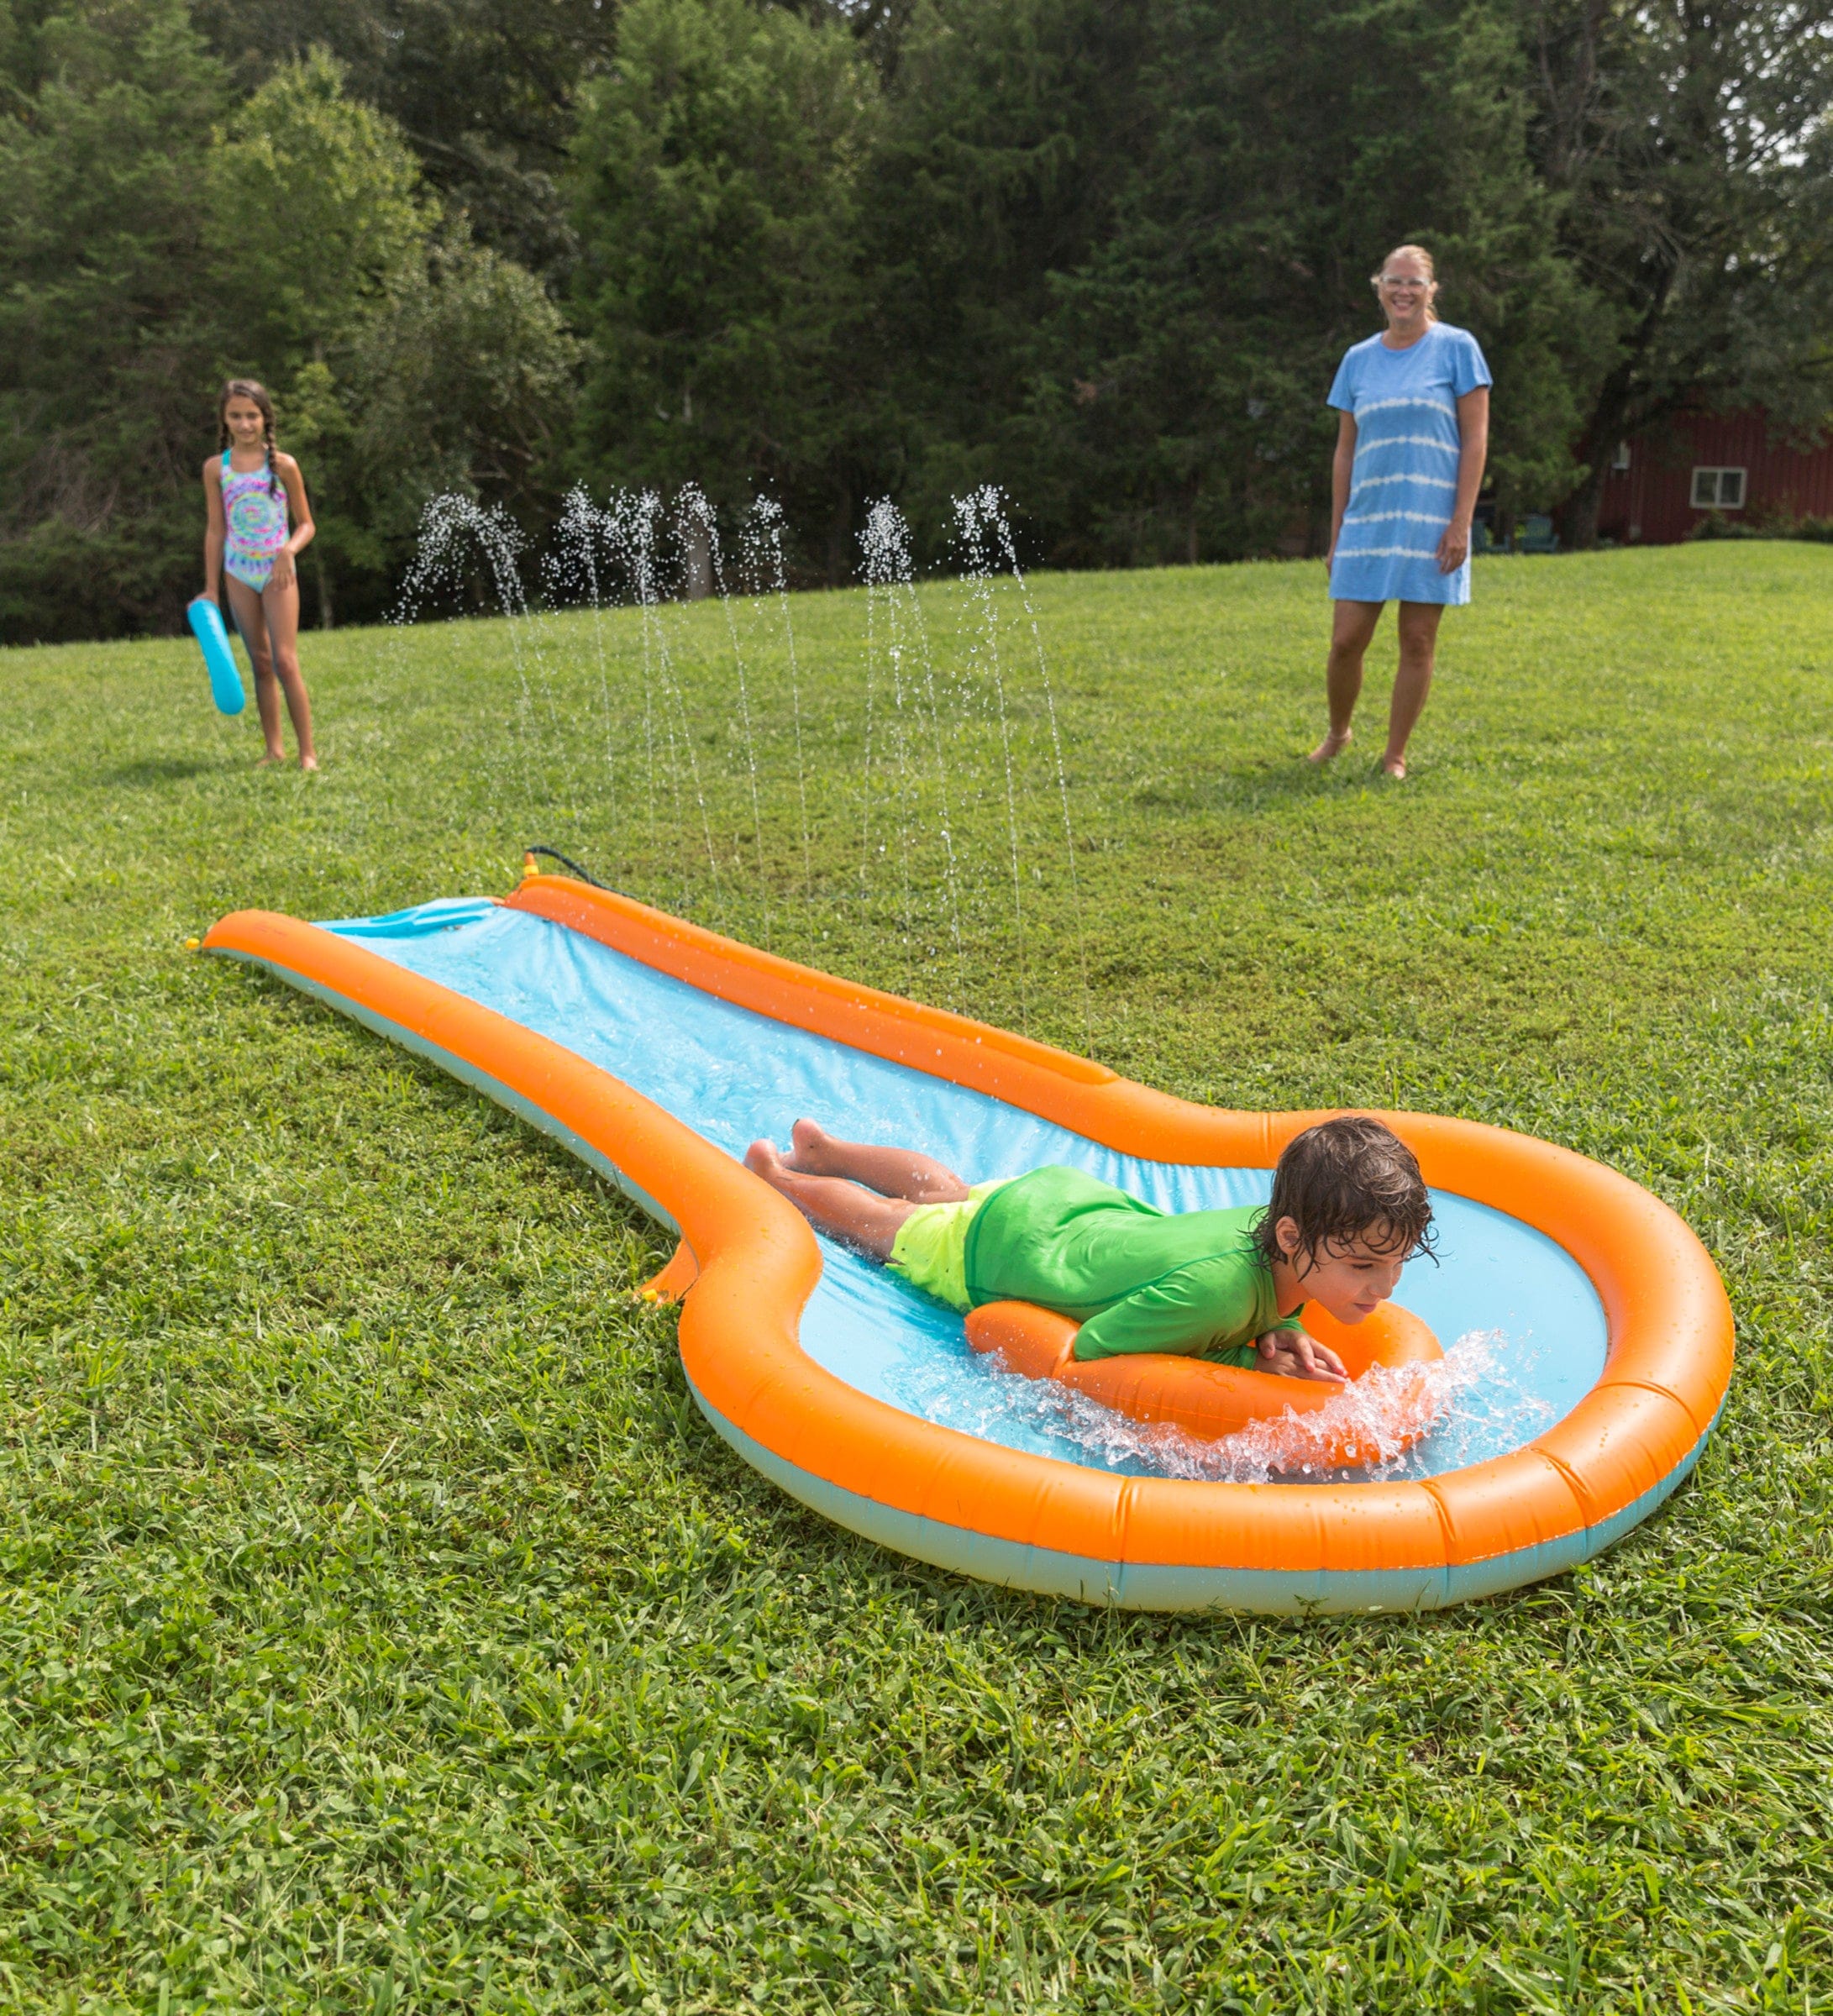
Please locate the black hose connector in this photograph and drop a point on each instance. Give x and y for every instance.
(572, 867)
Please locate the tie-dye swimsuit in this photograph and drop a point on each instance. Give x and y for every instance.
(254, 514)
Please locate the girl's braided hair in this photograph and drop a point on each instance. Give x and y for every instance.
(250, 388)
(1348, 1179)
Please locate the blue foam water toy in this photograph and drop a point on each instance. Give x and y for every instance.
(225, 674)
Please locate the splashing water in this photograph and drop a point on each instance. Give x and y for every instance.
(631, 523)
(1481, 1397)
(653, 742)
(454, 530)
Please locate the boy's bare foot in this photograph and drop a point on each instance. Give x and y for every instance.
(808, 1149)
(1331, 746)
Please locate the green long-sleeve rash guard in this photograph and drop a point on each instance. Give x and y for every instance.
(1135, 1278)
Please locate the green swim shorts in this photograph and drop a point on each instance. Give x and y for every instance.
(930, 1248)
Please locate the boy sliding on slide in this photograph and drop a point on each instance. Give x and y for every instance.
(1349, 1208)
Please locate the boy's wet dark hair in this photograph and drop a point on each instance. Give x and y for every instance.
(1348, 1179)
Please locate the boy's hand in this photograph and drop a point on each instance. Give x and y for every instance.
(1295, 1356)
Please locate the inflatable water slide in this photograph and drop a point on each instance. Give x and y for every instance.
(1577, 1341)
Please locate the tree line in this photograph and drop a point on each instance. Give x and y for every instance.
(1105, 253)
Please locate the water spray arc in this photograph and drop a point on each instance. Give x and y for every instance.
(897, 632)
(993, 514)
(672, 746)
(697, 531)
(765, 575)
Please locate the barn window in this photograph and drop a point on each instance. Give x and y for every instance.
(1718, 489)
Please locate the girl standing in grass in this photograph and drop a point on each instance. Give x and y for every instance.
(259, 523)
(1411, 440)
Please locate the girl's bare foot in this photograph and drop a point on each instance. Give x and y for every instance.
(308, 763)
(763, 1159)
(1394, 767)
(1333, 746)
(272, 757)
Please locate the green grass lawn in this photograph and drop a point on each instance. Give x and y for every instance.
(383, 1628)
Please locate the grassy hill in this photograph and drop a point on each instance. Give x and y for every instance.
(382, 1628)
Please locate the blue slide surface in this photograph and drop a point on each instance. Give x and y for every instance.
(1508, 1303)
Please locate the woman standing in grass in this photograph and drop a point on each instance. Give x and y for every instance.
(253, 537)
(1411, 440)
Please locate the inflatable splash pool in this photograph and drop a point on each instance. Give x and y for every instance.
(657, 1050)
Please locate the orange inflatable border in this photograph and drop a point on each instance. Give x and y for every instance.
(1670, 1331)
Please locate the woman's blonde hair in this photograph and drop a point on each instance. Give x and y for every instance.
(1424, 257)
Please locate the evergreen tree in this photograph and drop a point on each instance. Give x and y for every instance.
(1009, 131)
(484, 90)
(1691, 148)
(462, 380)
(315, 204)
(1103, 252)
(407, 360)
(157, 240)
(107, 320)
(718, 287)
(1184, 416)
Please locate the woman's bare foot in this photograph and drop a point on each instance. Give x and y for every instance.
(1331, 746)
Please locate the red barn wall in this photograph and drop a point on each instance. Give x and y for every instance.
(1650, 503)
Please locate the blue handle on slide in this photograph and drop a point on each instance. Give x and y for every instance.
(225, 674)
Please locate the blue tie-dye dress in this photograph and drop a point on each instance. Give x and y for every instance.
(1405, 403)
